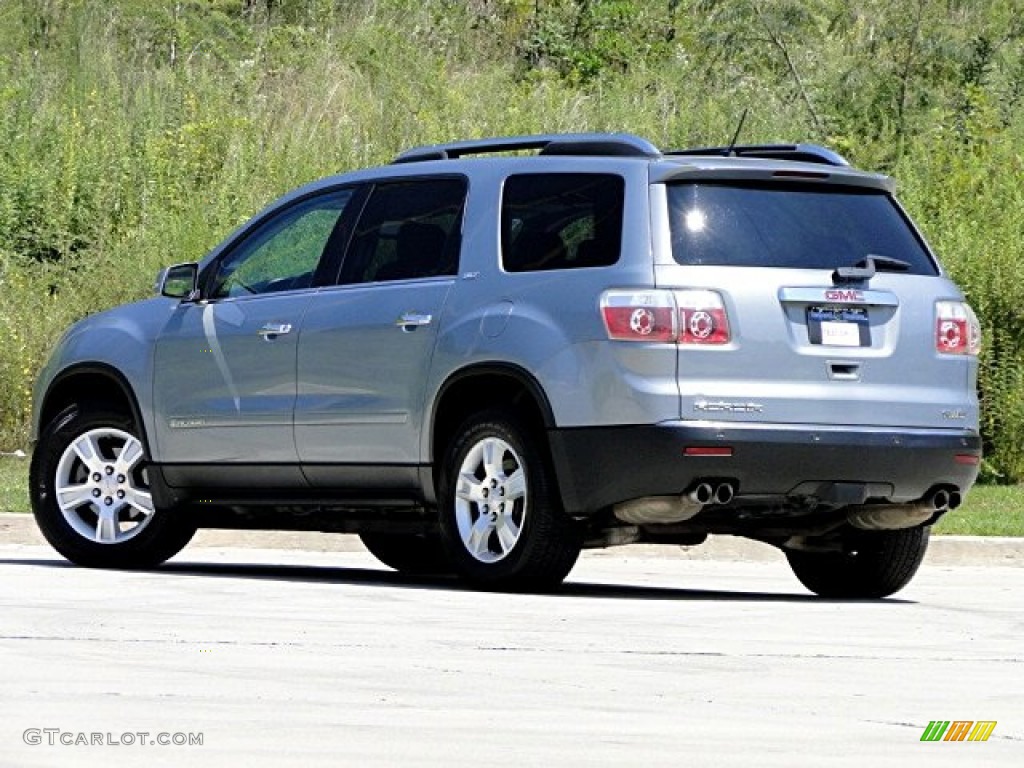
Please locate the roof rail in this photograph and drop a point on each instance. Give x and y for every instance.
(806, 153)
(593, 144)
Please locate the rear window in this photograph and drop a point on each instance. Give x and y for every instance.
(793, 226)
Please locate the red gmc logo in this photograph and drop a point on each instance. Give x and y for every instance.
(840, 295)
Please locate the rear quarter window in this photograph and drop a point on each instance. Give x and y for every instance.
(561, 221)
(790, 226)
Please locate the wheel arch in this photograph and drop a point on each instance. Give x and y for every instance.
(95, 383)
(479, 387)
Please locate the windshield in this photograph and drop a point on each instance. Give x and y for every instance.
(791, 225)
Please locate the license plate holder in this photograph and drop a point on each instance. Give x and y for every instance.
(838, 326)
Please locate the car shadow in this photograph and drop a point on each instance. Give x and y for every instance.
(372, 577)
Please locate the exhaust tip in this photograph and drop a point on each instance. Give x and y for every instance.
(955, 499)
(940, 500)
(703, 493)
(724, 493)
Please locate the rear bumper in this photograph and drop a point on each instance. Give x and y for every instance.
(601, 466)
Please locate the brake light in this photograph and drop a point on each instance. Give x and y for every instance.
(702, 318)
(639, 315)
(957, 331)
(689, 316)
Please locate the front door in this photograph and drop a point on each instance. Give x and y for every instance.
(224, 372)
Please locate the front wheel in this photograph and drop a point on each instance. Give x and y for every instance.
(90, 493)
(500, 514)
(876, 565)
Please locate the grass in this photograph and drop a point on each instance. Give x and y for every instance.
(13, 484)
(138, 133)
(989, 510)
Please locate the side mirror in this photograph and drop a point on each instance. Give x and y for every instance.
(178, 282)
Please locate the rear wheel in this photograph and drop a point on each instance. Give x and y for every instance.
(877, 565)
(500, 514)
(412, 554)
(91, 497)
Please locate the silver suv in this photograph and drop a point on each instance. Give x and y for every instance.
(490, 354)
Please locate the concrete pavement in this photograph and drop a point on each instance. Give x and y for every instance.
(647, 657)
(942, 550)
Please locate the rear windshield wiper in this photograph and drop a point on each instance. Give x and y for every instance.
(866, 268)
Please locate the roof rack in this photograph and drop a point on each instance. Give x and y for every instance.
(806, 153)
(588, 144)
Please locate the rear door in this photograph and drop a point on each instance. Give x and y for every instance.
(832, 303)
(366, 343)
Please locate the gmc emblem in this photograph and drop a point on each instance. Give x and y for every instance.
(837, 294)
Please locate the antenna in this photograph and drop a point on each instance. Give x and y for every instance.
(736, 136)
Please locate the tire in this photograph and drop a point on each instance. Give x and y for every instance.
(409, 553)
(90, 493)
(500, 515)
(880, 565)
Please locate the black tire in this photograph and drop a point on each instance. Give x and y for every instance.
(522, 543)
(137, 538)
(878, 565)
(409, 553)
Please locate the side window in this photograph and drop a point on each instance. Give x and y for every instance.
(407, 230)
(282, 254)
(561, 221)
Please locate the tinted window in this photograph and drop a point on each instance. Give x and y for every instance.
(561, 221)
(407, 230)
(282, 253)
(789, 226)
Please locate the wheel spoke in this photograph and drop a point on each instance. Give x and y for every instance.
(131, 454)
(106, 526)
(493, 450)
(88, 451)
(72, 496)
(468, 489)
(508, 532)
(139, 501)
(515, 485)
(479, 536)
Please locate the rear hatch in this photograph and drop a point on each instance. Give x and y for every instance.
(811, 299)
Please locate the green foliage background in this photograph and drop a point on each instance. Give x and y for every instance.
(134, 134)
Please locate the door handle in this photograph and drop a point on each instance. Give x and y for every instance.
(410, 321)
(273, 330)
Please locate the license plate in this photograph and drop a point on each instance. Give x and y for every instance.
(838, 326)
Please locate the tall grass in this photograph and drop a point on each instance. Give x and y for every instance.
(136, 134)
(964, 184)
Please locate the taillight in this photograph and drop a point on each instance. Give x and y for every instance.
(639, 315)
(691, 316)
(957, 331)
(702, 317)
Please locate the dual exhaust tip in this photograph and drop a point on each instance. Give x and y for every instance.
(893, 517)
(707, 493)
(666, 510)
(943, 500)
